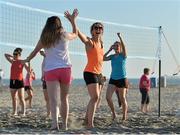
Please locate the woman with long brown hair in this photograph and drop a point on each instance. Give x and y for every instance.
(57, 67)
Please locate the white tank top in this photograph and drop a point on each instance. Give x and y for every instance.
(58, 55)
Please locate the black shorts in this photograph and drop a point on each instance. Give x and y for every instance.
(91, 78)
(27, 88)
(44, 86)
(145, 96)
(120, 83)
(16, 84)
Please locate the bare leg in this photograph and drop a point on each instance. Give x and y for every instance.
(47, 102)
(122, 92)
(142, 108)
(64, 104)
(119, 101)
(110, 90)
(53, 94)
(94, 92)
(30, 95)
(22, 100)
(14, 100)
(146, 106)
(100, 96)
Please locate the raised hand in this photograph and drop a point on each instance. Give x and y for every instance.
(111, 48)
(75, 13)
(118, 34)
(71, 17)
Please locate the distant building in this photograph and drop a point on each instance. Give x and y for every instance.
(1, 76)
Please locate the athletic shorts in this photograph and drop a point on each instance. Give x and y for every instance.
(16, 84)
(120, 83)
(44, 86)
(92, 78)
(63, 75)
(27, 88)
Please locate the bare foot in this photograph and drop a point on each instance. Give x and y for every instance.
(113, 116)
(54, 127)
(124, 119)
(23, 115)
(64, 127)
(90, 126)
(48, 115)
(15, 114)
(85, 121)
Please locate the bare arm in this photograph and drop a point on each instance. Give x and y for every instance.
(9, 57)
(106, 57)
(83, 37)
(33, 76)
(38, 47)
(72, 19)
(123, 46)
(27, 67)
(42, 71)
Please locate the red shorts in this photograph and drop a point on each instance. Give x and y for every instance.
(63, 75)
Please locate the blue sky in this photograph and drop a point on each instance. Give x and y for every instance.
(165, 13)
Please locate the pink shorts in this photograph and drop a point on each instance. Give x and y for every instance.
(63, 75)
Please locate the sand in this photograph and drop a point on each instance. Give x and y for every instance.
(36, 122)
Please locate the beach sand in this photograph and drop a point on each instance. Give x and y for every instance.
(138, 123)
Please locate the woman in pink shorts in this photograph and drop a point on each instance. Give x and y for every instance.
(57, 65)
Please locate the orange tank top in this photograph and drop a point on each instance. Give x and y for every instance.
(95, 59)
(16, 70)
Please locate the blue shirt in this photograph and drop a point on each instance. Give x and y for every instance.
(118, 65)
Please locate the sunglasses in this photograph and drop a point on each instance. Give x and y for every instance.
(98, 27)
(15, 54)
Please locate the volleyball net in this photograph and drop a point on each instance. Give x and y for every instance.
(21, 26)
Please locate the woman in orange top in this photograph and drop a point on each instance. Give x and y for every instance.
(93, 69)
(16, 79)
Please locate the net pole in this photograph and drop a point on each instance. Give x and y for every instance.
(159, 57)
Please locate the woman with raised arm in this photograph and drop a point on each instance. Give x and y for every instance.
(94, 50)
(55, 42)
(16, 80)
(118, 80)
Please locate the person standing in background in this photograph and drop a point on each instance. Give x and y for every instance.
(16, 80)
(30, 76)
(144, 87)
